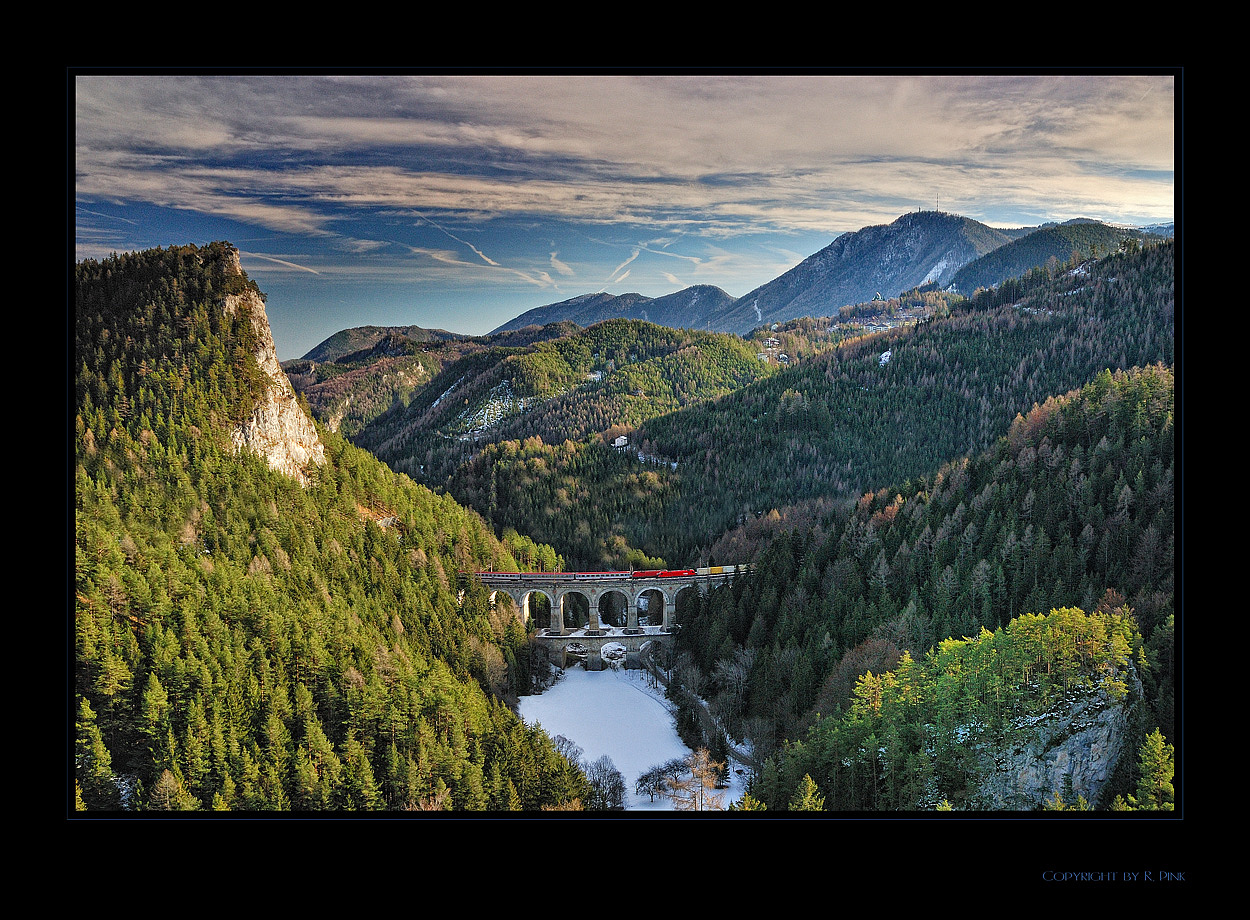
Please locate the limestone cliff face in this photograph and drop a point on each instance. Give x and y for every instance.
(278, 429)
(1082, 737)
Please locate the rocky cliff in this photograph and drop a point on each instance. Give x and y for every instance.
(278, 429)
(1073, 748)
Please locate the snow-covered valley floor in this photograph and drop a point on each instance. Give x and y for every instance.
(618, 713)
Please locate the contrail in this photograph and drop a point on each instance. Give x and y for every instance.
(303, 268)
(124, 220)
(544, 281)
(613, 278)
(633, 256)
(481, 255)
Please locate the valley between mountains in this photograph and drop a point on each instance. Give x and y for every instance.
(946, 452)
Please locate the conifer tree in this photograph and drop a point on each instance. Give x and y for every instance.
(93, 766)
(1157, 768)
(807, 797)
(168, 794)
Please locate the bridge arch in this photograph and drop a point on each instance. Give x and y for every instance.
(681, 590)
(653, 604)
(614, 607)
(568, 606)
(523, 600)
(605, 596)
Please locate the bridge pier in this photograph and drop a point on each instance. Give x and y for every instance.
(631, 615)
(562, 649)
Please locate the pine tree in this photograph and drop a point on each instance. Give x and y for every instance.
(1157, 768)
(748, 803)
(92, 764)
(168, 794)
(807, 797)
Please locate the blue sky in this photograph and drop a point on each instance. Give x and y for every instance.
(461, 201)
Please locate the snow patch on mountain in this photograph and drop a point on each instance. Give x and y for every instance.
(935, 272)
(500, 404)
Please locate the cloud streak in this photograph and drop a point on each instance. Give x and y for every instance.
(624, 149)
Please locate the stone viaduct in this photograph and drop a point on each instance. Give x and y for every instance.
(654, 592)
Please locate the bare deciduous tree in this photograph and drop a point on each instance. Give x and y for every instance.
(607, 785)
(691, 782)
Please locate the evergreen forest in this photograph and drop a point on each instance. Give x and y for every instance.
(241, 643)
(956, 527)
(1071, 513)
(859, 413)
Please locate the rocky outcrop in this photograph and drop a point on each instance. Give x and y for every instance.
(1074, 748)
(279, 430)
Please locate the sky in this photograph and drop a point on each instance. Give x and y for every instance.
(459, 201)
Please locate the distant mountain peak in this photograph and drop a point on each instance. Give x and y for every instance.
(916, 249)
(681, 309)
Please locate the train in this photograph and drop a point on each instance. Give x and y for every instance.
(723, 570)
(611, 576)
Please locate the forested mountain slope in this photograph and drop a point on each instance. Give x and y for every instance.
(1038, 715)
(688, 308)
(1073, 509)
(364, 338)
(588, 387)
(1076, 240)
(878, 409)
(357, 374)
(242, 642)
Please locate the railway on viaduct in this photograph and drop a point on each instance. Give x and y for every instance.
(648, 600)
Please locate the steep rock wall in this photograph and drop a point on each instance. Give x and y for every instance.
(1082, 737)
(278, 429)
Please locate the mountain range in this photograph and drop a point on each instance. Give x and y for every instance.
(851, 285)
(687, 308)
(918, 249)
